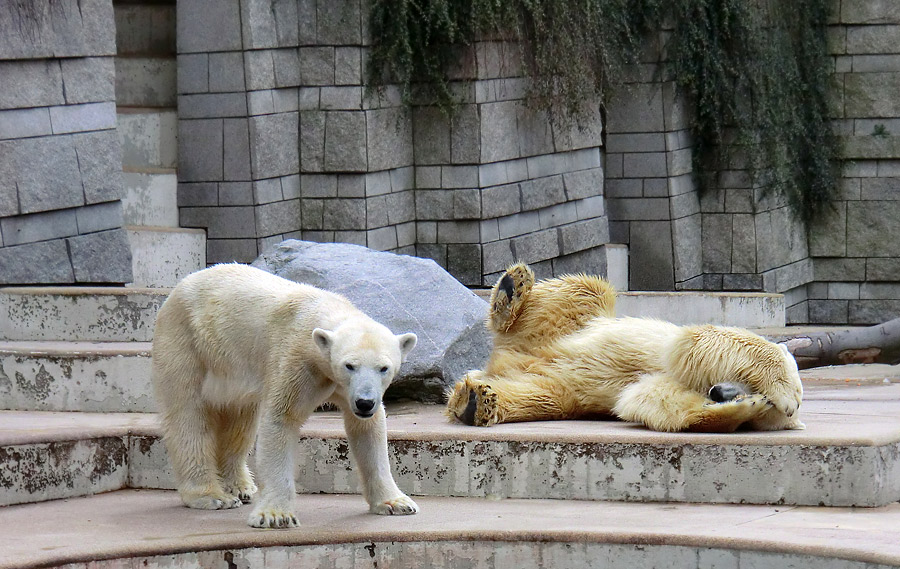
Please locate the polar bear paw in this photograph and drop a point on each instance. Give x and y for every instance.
(243, 490)
(402, 505)
(508, 294)
(273, 518)
(473, 403)
(211, 501)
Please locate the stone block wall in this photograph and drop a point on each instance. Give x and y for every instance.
(855, 250)
(60, 158)
(278, 138)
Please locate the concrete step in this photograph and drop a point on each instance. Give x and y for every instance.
(149, 137)
(133, 528)
(151, 197)
(88, 314)
(162, 256)
(76, 376)
(146, 81)
(849, 455)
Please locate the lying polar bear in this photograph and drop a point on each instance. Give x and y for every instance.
(235, 346)
(560, 354)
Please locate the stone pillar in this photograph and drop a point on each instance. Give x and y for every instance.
(60, 158)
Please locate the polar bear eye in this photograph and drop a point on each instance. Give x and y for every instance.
(384, 369)
(350, 367)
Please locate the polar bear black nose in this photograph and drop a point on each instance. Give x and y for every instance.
(365, 405)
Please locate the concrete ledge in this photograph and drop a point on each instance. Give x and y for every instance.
(162, 256)
(151, 528)
(746, 310)
(92, 314)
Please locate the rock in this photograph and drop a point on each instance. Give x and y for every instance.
(406, 294)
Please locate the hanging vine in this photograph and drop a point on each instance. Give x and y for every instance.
(755, 72)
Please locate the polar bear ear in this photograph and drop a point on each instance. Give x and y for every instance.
(407, 343)
(323, 339)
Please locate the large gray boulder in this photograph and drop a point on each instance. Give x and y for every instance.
(406, 294)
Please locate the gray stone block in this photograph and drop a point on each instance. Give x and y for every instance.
(99, 217)
(145, 81)
(583, 235)
(498, 132)
(221, 222)
(635, 108)
(841, 270)
(376, 212)
(426, 231)
(308, 98)
(45, 170)
(535, 247)
(345, 141)
(780, 239)
(401, 209)
(873, 39)
(717, 243)
(459, 177)
(464, 263)
(583, 183)
(534, 132)
(208, 25)
(458, 232)
(547, 165)
(638, 209)
(42, 263)
(869, 12)
(492, 174)
(236, 149)
(882, 269)
(431, 131)
(650, 257)
(636, 142)
(645, 165)
(287, 67)
(590, 207)
(490, 230)
(266, 191)
(145, 28)
(66, 28)
(103, 257)
(193, 73)
(434, 204)
(657, 188)
(497, 256)
(882, 188)
(352, 237)
(876, 291)
(231, 250)
(312, 212)
(382, 239)
(687, 248)
(585, 132)
(200, 157)
(259, 69)
(519, 224)
(403, 179)
(871, 221)
(319, 186)
(406, 237)
(557, 215)
(828, 231)
(613, 165)
(24, 123)
(828, 311)
(277, 217)
(317, 65)
(542, 192)
(258, 23)
(390, 138)
(348, 66)
(743, 246)
(212, 105)
(285, 100)
(683, 205)
(290, 187)
(306, 22)
(43, 226)
(344, 214)
(625, 188)
(870, 312)
(235, 193)
(226, 72)
(89, 79)
(868, 95)
(465, 139)
(843, 291)
(351, 186)
(273, 145)
(197, 194)
(742, 282)
(378, 183)
(339, 23)
(312, 141)
(341, 98)
(467, 204)
(80, 118)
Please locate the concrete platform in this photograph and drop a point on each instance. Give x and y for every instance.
(133, 528)
(848, 455)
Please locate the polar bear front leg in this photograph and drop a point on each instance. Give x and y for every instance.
(275, 465)
(368, 447)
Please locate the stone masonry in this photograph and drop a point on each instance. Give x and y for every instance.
(60, 164)
(278, 138)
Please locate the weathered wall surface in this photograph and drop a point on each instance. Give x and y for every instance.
(60, 159)
(279, 139)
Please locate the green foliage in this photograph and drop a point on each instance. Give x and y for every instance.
(755, 71)
(879, 130)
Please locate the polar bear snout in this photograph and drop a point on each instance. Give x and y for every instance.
(364, 408)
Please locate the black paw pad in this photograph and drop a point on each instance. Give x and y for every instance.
(722, 392)
(468, 416)
(506, 285)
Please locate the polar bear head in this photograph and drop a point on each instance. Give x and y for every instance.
(364, 357)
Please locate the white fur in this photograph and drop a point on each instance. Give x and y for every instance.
(236, 348)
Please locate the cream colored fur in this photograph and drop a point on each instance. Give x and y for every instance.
(560, 354)
(236, 347)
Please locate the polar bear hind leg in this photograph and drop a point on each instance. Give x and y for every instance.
(507, 296)
(236, 429)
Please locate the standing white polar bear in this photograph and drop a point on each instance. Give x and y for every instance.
(234, 347)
